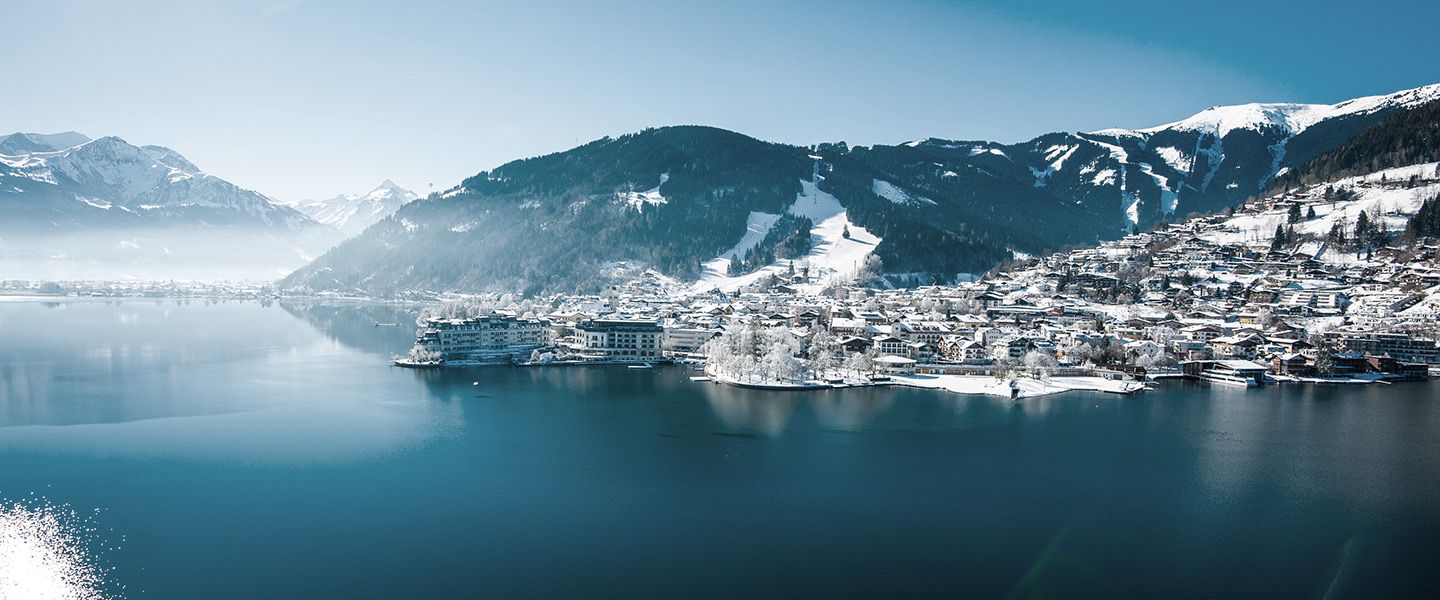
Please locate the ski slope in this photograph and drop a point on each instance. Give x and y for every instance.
(832, 256)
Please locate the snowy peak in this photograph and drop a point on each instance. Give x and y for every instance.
(1288, 118)
(390, 186)
(1221, 120)
(352, 213)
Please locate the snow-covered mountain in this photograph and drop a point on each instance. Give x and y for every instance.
(352, 213)
(1216, 158)
(693, 202)
(79, 207)
(109, 182)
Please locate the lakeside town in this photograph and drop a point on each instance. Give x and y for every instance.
(1330, 296)
(1310, 286)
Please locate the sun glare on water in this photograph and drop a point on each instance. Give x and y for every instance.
(46, 552)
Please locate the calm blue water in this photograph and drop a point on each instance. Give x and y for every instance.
(246, 450)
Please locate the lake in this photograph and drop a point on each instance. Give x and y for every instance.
(240, 449)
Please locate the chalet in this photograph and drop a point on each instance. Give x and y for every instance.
(888, 345)
(858, 345)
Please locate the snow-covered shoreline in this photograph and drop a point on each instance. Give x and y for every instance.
(957, 384)
(1028, 387)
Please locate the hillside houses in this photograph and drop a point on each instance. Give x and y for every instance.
(1209, 289)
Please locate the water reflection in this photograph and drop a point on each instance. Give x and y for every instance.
(769, 412)
(850, 410)
(200, 381)
(1341, 422)
(355, 324)
(756, 410)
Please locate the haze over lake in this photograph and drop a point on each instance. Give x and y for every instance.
(251, 450)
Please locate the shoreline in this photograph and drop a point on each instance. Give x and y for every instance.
(956, 384)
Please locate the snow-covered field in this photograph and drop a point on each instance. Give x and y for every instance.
(831, 254)
(889, 191)
(1396, 203)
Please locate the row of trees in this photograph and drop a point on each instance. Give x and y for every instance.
(755, 354)
(774, 355)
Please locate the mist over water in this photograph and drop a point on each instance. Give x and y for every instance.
(240, 449)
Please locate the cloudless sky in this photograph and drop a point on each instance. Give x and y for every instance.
(307, 98)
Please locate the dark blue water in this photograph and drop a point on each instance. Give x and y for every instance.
(245, 451)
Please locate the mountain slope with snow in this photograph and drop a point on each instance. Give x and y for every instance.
(1216, 158)
(838, 247)
(686, 201)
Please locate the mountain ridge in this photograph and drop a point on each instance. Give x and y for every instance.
(678, 198)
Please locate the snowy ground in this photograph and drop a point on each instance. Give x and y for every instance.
(831, 255)
(652, 196)
(1392, 199)
(972, 384)
(888, 191)
(756, 226)
(961, 384)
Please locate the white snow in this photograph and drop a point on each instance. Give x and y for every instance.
(991, 386)
(978, 150)
(1104, 177)
(1056, 156)
(832, 256)
(652, 196)
(889, 191)
(95, 202)
(1176, 158)
(1131, 205)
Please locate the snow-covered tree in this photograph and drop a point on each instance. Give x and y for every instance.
(419, 354)
(860, 363)
(1161, 334)
(756, 354)
(821, 349)
(1040, 363)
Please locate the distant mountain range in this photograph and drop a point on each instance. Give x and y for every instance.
(103, 208)
(689, 201)
(696, 203)
(352, 213)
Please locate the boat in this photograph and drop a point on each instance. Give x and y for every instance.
(641, 366)
(1236, 372)
(1225, 378)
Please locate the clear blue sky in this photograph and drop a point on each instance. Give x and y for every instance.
(304, 98)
